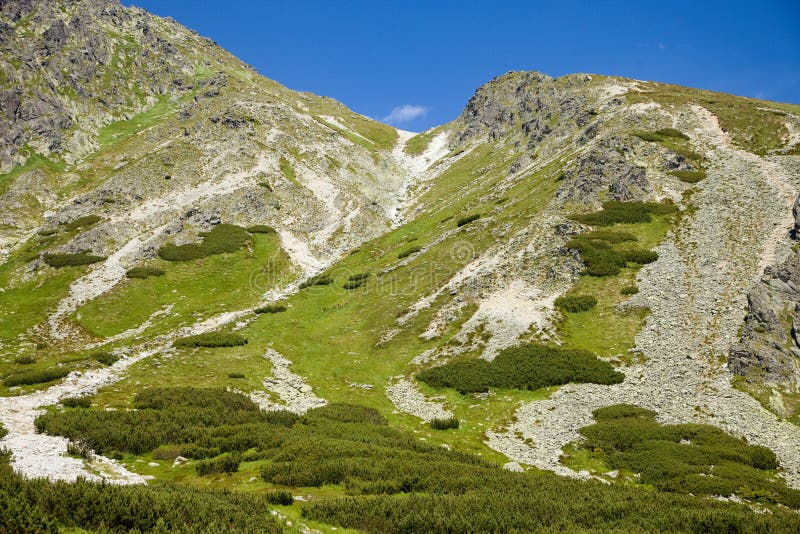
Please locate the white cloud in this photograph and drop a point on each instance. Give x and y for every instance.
(405, 113)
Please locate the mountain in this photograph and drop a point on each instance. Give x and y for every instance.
(211, 279)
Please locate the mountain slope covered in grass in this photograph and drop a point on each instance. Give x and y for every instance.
(211, 282)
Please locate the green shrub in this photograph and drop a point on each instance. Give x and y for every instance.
(167, 452)
(76, 402)
(394, 482)
(211, 339)
(598, 252)
(225, 238)
(619, 411)
(271, 308)
(261, 229)
(144, 272)
(106, 358)
(82, 506)
(444, 424)
(82, 222)
(409, 251)
(45, 232)
(222, 239)
(528, 367)
(615, 212)
(690, 177)
(639, 256)
(280, 497)
(347, 413)
(3, 433)
(468, 219)
(187, 252)
(236, 375)
(26, 378)
(316, 281)
(356, 280)
(59, 260)
(226, 463)
(576, 303)
(629, 290)
(24, 360)
(662, 135)
(608, 236)
(203, 422)
(687, 458)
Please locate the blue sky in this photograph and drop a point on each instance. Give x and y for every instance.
(416, 63)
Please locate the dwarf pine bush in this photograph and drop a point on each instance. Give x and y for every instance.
(221, 239)
(76, 402)
(444, 424)
(226, 463)
(280, 497)
(82, 222)
(271, 308)
(409, 251)
(106, 358)
(530, 367)
(212, 340)
(690, 177)
(629, 290)
(261, 229)
(468, 219)
(144, 272)
(576, 303)
(320, 280)
(615, 212)
(31, 377)
(684, 458)
(59, 260)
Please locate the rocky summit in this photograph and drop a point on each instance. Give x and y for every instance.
(225, 304)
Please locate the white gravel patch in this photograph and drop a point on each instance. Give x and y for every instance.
(295, 394)
(510, 312)
(407, 398)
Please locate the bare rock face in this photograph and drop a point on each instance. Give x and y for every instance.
(530, 105)
(769, 348)
(92, 77)
(604, 170)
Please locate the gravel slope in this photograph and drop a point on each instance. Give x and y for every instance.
(696, 293)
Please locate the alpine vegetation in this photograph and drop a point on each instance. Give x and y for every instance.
(226, 305)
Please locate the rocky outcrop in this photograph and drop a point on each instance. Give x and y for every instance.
(527, 105)
(603, 171)
(71, 67)
(769, 348)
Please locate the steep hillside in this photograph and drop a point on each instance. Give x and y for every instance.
(586, 274)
